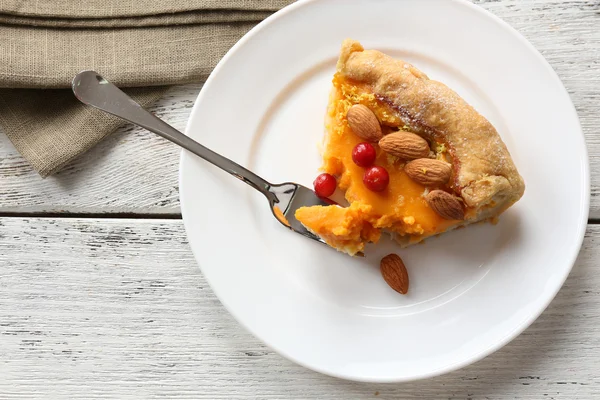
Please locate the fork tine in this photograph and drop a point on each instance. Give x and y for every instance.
(288, 198)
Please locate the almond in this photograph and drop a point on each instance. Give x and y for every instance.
(394, 273)
(364, 123)
(428, 172)
(405, 145)
(445, 204)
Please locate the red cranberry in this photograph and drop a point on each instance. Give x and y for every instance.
(364, 154)
(325, 185)
(376, 178)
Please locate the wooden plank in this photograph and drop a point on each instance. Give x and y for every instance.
(116, 308)
(134, 171)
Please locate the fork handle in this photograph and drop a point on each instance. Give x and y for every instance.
(92, 89)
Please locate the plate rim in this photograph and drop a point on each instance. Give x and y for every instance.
(583, 221)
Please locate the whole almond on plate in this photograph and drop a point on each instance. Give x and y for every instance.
(394, 273)
(445, 204)
(405, 145)
(428, 172)
(364, 123)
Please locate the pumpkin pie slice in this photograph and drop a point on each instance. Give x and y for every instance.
(447, 165)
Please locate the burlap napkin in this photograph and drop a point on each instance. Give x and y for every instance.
(142, 45)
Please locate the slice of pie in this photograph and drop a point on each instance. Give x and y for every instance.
(447, 166)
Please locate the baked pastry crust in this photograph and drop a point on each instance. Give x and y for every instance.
(484, 176)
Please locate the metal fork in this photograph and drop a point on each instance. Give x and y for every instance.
(92, 89)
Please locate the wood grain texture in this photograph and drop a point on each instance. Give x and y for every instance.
(134, 171)
(116, 308)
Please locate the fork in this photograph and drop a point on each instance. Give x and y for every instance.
(284, 198)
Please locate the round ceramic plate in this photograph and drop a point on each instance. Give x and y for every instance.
(472, 290)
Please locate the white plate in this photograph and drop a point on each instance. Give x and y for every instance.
(472, 290)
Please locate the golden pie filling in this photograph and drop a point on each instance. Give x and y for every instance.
(346, 229)
(401, 208)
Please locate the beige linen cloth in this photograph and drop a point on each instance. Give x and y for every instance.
(142, 45)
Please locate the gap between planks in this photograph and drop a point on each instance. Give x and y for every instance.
(591, 221)
(54, 215)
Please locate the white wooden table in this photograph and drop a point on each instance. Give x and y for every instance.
(100, 295)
